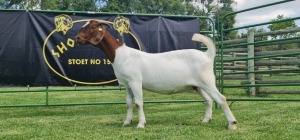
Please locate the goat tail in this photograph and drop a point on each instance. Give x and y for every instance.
(211, 49)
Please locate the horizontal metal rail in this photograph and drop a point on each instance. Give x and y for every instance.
(261, 85)
(250, 9)
(260, 24)
(149, 102)
(257, 7)
(262, 71)
(99, 103)
(61, 90)
(121, 14)
(260, 42)
(47, 104)
(262, 56)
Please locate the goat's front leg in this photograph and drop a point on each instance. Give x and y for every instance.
(129, 104)
(137, 91)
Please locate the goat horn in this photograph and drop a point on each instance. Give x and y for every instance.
(104, 23)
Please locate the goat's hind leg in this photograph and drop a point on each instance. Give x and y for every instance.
(221, 100)
(129, 104)
(208, 105)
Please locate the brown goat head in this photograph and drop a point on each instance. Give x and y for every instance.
(91, 33)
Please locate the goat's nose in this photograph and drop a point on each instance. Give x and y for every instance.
(77, 42)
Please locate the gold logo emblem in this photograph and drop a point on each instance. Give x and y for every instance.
(63, 23)
(122, 24)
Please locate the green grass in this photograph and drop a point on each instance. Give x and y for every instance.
(257, 120)
(167, 121)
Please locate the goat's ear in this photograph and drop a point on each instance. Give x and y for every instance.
(98, 36)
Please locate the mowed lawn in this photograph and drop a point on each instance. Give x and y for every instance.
(168, 121)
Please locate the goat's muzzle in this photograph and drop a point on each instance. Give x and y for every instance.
(79, 40)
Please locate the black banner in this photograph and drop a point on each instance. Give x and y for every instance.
(38, 48)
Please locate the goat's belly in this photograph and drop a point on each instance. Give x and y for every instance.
(167, 87)
(166, 90)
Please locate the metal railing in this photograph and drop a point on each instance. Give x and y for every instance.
(250, 45)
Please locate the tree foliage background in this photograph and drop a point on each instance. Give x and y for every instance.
(283, 25)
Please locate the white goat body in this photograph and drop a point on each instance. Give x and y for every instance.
(169, 72)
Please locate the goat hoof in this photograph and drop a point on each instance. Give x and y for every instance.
(206, 120)
(232, 126)
(126, 123)
(141, 125)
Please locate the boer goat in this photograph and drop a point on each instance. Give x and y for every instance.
(169, 72)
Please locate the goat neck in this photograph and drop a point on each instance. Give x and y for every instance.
(108, 45)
